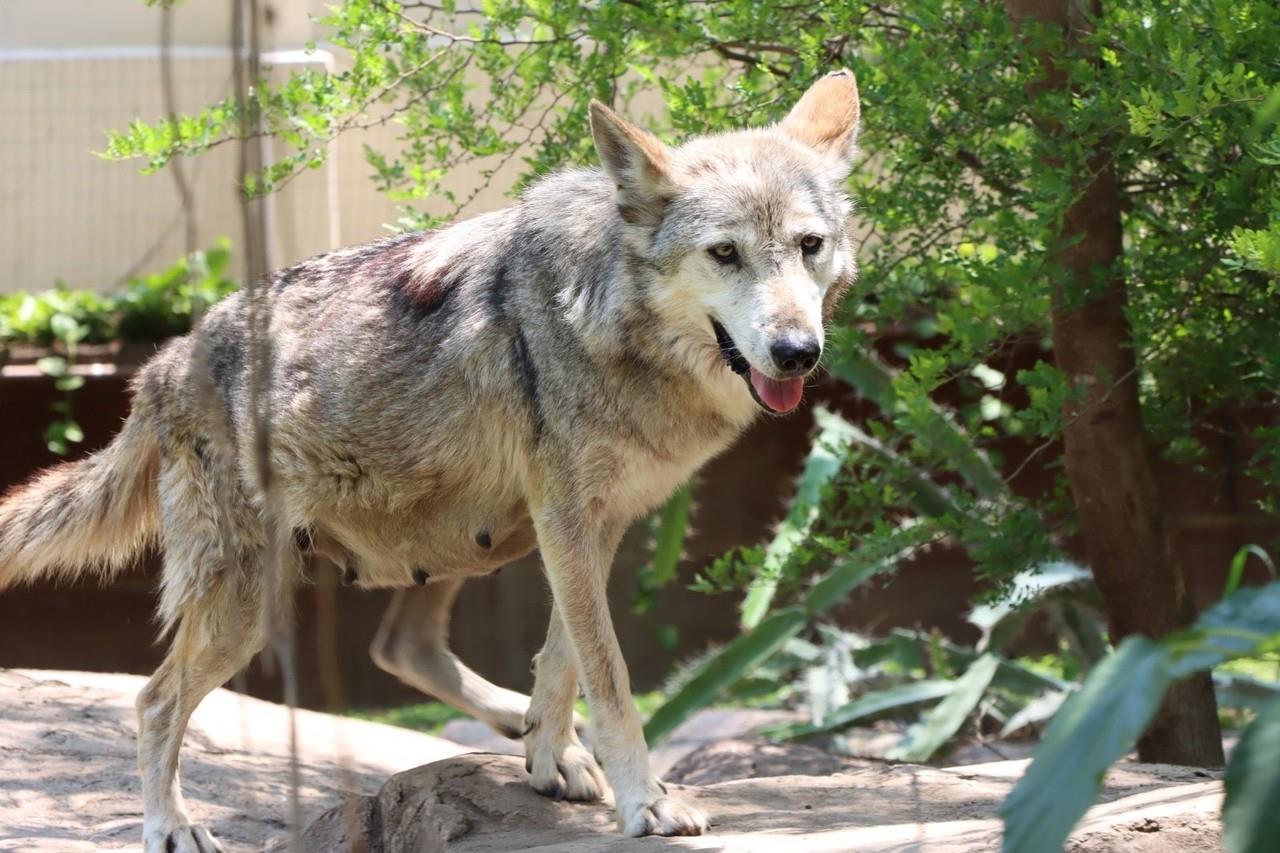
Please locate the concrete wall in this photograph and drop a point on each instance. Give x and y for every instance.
(71, 69)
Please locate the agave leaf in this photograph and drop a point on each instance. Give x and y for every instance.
(904, 645)
(1251, 812)
(723, 669)
(1241, 691)
(1039, 710)
(866, 707)
(1000, 620)
(751, 649)
(1236, 572)
(934, 428)
(671, 528)
(1101, 722)
(940, 724)
(826, 456)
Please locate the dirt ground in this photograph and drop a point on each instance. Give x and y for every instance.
(68, 783)
(69, 780)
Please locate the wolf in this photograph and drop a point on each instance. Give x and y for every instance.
(445, 402)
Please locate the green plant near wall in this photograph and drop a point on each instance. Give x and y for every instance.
(148, 309)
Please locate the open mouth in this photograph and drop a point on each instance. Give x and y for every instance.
(778, 396)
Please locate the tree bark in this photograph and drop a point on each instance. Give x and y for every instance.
(1108, 459)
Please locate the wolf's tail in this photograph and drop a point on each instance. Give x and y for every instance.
(93, 515)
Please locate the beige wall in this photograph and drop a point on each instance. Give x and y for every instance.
(70, 69)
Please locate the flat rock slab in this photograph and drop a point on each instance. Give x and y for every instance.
(481, 803)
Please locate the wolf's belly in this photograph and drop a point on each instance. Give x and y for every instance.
(398, 548)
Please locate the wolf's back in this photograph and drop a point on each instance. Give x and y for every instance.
(90, 515)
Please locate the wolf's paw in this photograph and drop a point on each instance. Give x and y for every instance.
(187, 838)
(566, 773)
(662, 815)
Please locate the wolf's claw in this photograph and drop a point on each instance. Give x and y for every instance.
(571, 775)
(664, 815)
(189, 838)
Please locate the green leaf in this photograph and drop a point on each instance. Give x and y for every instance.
(1103, 720)
(52, 365)
(935, 428)
(1094, 727)
(671, 528)
(940, 724)
(860, 566)
(825, 459)
(1236, 572)
(1037, 711)
(731, 663)
(1251, 812)
(1242, 691)
(867, 706)
(1000, 620)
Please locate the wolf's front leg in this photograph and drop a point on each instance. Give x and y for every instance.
(578, 551)
(558, 764)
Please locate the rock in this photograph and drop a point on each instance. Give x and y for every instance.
(474, 734)
(756, 758)
(481, 803)
(711, 725)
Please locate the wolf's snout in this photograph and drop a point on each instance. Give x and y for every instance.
(795, 354)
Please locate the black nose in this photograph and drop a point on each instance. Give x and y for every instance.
(795, 354)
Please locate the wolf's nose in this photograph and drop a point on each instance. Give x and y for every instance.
(795, 355)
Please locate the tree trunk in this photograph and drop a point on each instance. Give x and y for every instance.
(1108, 461)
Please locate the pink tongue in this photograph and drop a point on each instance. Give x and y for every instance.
(780, 395)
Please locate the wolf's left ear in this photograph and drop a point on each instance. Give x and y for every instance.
(636, 161)
(826, 118)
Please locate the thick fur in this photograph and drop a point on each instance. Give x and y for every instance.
(444, 402)
(91, 515)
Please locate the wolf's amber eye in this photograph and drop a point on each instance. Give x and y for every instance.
(810, 244)
(725, 253)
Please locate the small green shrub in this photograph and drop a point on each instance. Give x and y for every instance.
(148, 309)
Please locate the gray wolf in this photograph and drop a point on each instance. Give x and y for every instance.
(445, 402)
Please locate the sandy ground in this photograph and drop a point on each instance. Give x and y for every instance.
(68, 783)
(68, 777)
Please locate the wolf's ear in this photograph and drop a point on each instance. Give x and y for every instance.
(636, 161)
(826, 118)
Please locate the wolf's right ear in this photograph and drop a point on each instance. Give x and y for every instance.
(636, 161)
(826, 118)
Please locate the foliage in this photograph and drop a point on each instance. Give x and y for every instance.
(147, 309)
(1252, 810)
(1103, 720)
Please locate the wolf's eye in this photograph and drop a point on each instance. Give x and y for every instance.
(725, 253)
(810, 244)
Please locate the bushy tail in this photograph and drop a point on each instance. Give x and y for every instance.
(92, 515)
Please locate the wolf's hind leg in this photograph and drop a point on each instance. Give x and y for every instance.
(558, 764)
(413, 645)
(216, 635)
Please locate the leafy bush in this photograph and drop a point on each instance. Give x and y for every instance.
(147, 309)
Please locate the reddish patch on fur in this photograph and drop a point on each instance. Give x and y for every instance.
(424, 294)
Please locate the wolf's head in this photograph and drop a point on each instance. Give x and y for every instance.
(747, 232)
